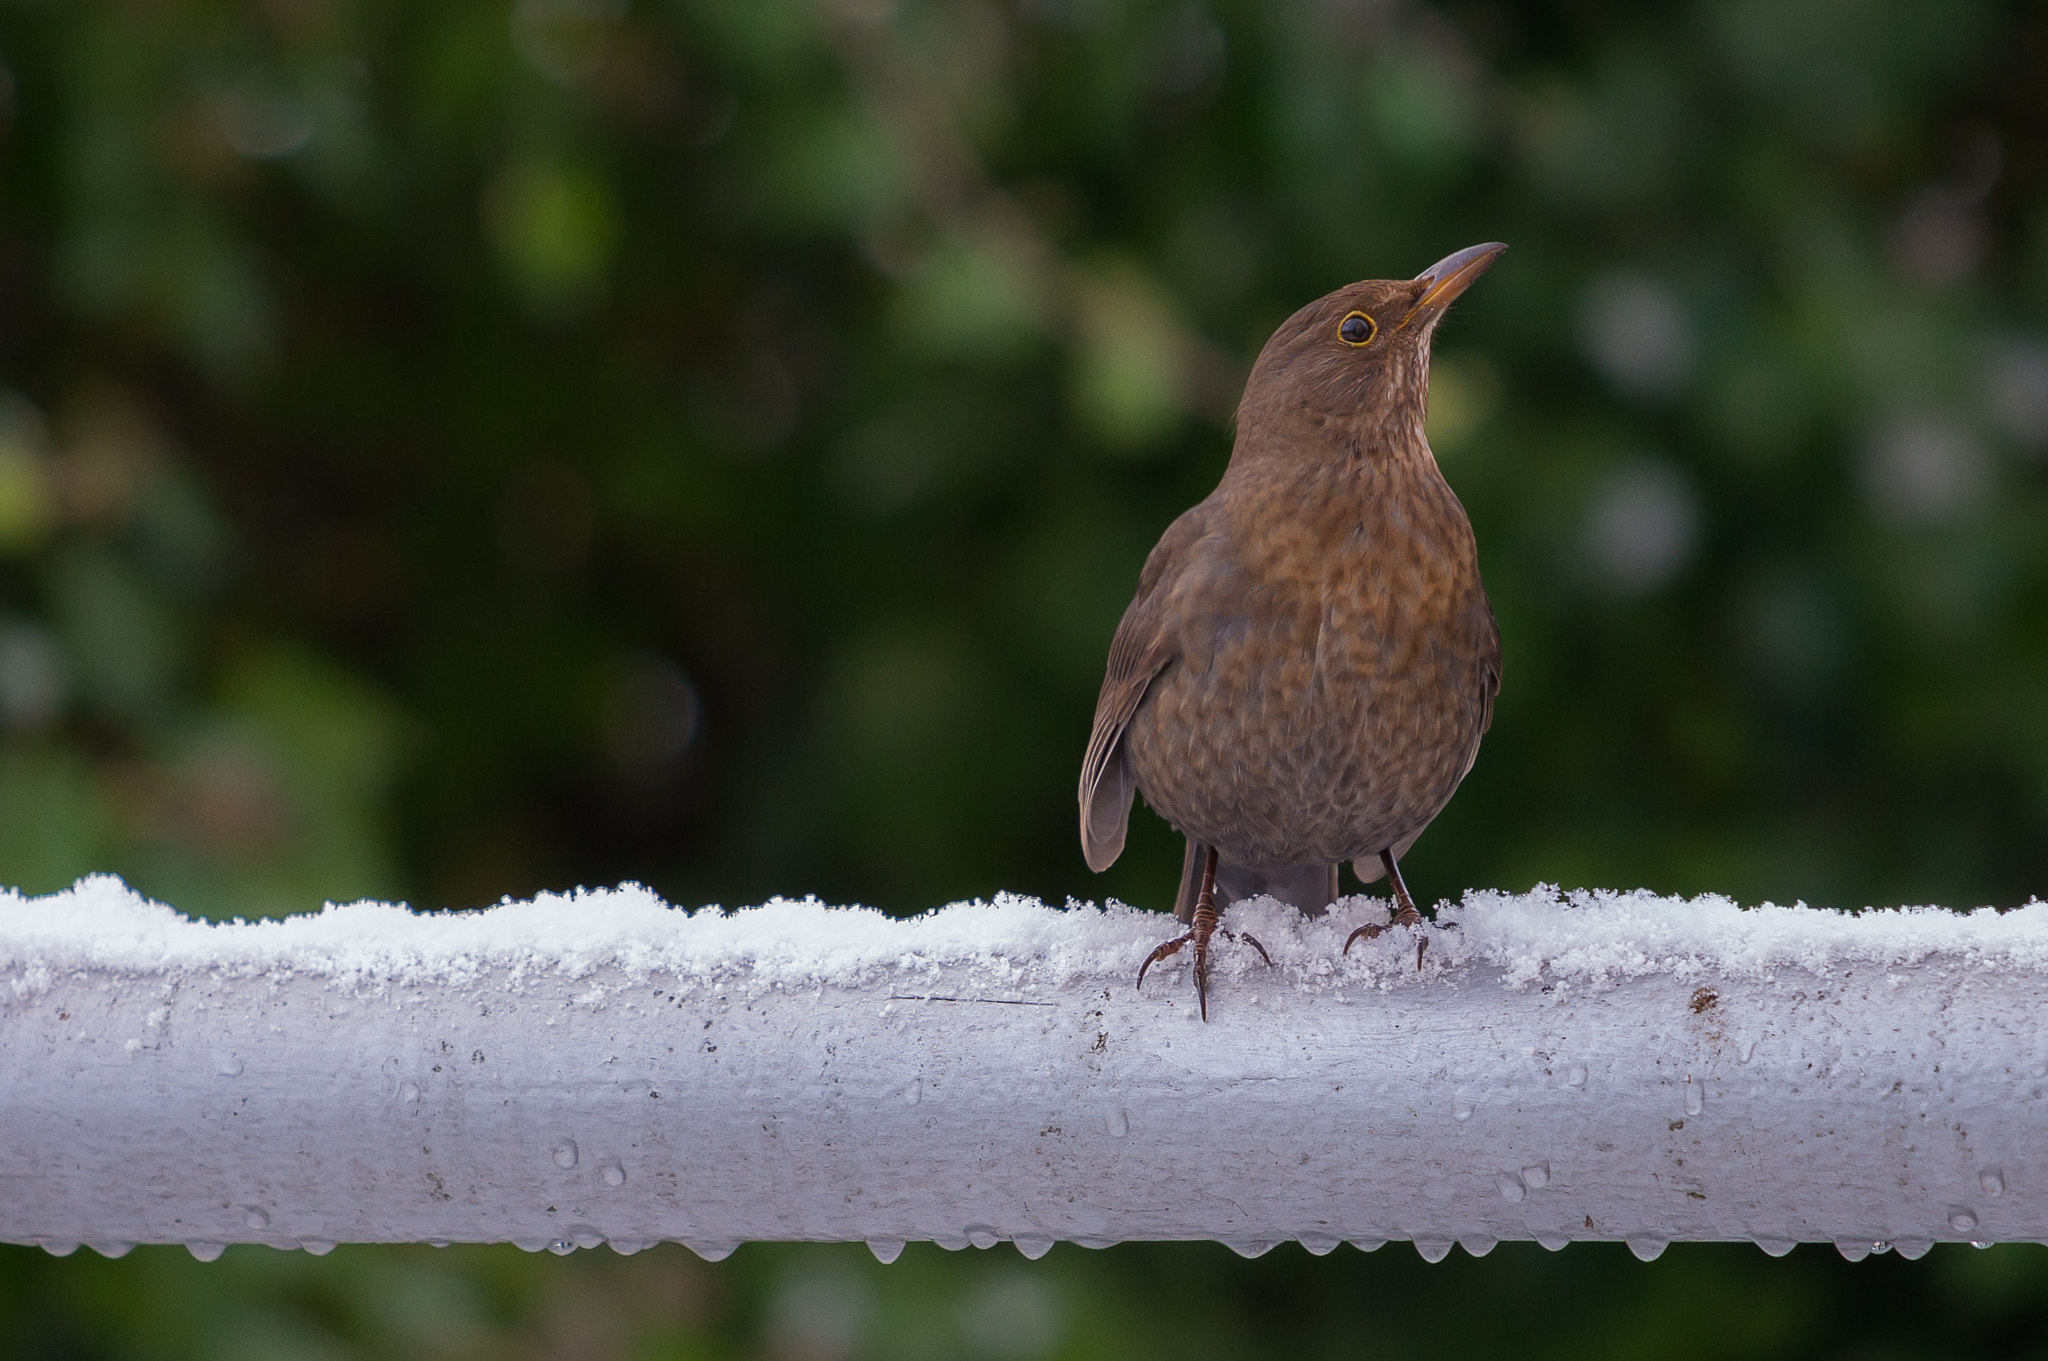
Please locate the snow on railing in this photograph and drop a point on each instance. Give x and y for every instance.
(601, 1068)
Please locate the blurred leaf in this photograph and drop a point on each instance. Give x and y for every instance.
(1132, 361)
(555, 228)
(55, 822)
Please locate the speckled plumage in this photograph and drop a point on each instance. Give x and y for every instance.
(1310, 661)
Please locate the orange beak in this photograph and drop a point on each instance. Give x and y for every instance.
(1452, 275)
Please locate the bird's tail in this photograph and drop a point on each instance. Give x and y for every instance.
(1312, 888)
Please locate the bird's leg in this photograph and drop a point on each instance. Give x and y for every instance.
(1405, 916)
(1204, 927)
(1204, 924)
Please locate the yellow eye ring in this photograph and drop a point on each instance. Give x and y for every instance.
(1357, 330)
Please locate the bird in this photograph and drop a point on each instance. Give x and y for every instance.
(1310, 660)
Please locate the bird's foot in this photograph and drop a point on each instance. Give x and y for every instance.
(1199, 937)
(1407, 916)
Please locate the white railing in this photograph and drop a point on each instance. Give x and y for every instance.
(601, 1068)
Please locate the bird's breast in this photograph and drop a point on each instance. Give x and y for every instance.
(1326, 688)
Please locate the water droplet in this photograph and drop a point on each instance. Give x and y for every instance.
(1695, 1097)
(584, 1236)
(1775, 1247)
(1461, 1109)
(1093, 1240)
(319, 1247)
(1981, 1243)
(626, 1247)
(1992, 1180)
(1249, 1247)
(1319, 1244)
(113, 1249)
(64, 1247)
(204, 1251)
(1477, 1244)
(614, 1175)
(886, 1250)
(1577, 1076)
(1553, 1242)
(1433, 1249)
(715, 1251)
(531, 1244)
(1537, 1177)
(565, 1153)
(1119, 1123)
(1912, 1249)
(256, 1217)
(982, 1236)
(561, 1247)
(1647, 1246)
(1033, 1245)
(408, 1092)
(1511, 1188)
(951, 1242)
(1962, 1221)
(439, 1243)
(1854, 1249)
(226, 1064)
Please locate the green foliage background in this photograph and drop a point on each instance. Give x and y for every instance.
(449, 450)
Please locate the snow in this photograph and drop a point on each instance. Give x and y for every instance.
(1588, 938)
(600, 1067)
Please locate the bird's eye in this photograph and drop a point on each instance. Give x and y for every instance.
(1358, 329)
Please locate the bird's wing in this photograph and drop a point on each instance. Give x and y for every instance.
(1142, 648)
(1107, 782)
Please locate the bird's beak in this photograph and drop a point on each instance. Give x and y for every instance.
(1452, 275)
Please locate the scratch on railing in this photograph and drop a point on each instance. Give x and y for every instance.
(995, 1001)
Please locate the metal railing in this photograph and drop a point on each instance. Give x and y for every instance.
(600, 1068)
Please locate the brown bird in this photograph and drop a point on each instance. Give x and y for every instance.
(1310, 662)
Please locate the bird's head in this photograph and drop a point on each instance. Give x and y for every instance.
(1359, 357)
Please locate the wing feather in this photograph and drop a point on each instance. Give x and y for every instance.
(1143, 648)
(1107, 782)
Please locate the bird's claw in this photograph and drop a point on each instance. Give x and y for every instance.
(1250, 940)
(1169, 949)
(1407, 916)
(1370, 931)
